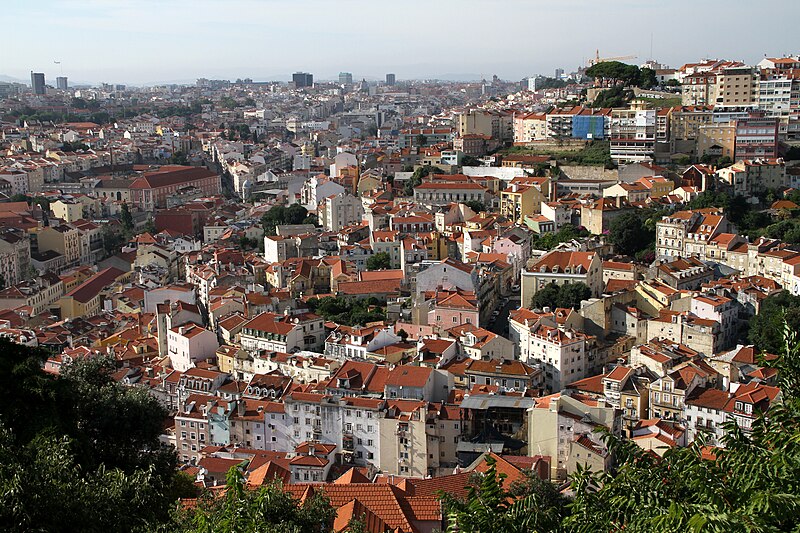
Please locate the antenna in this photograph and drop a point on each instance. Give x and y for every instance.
(60, 66)
(651, 46)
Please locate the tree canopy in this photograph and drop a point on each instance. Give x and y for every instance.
(568, 295)
(348, 311)
(79, 451)
(279, 215)
(379, 261)
(629, 234)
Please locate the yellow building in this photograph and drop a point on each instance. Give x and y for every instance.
(524, 196)
(64, 239)
(86, 299)
(67, 211)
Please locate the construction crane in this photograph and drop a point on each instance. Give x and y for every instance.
(597, 59)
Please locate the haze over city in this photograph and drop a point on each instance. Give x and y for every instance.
(147, 41)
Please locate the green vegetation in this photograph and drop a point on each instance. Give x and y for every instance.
(79, 451)
(766, 328)
(490, 507)
(617, 96)
(752, 485)
(549, 241)
(279, 215)
(74, 147)
(549, 83)
(266, 510)
(476, 205)
(592, 153)
(627, 75)
(379, 261)
(179, 158)
(348, 311)
(416, 178)
(126, 218)
(567, 295)
(660, 102)
(630, 234)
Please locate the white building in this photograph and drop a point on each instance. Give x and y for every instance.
(188, 344)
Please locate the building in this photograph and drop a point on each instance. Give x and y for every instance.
(37, 82)
(61, 83)
(302, 80)
(341, 210)
(687, 233)
(390, 79)
(189, 343)
(345, 78)
(756, 137)
(437, 193)
(561, 267)
(750, 177)
(632, 134)
(150, 191)
(563, 426)
(283, 333)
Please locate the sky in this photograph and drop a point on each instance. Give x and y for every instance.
(142, 42)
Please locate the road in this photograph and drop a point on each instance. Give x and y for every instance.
(500, 324)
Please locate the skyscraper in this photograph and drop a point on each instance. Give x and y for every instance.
(37, 82)
(345, 78)
(559, 73)
(303, 79)
(390, 79)
(61, 83)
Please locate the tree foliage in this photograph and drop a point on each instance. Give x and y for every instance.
(78, 452)
(126, 218)
(491, 508)
(348, 311)
(629, 234)
(766, 327)
(267, 510)
(553, 295)
(379, 261)
(567, 233)
(279, 215)
(750, 485)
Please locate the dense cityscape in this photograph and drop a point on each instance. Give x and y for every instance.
(561, 303)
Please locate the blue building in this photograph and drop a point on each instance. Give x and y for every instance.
(590, 127)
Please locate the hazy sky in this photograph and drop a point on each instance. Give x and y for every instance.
(146, 41)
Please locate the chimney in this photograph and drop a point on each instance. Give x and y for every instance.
(182, 330)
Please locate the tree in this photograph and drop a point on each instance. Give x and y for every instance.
(767, 326)
(553, 295)
(80, 450)
(421, 140)
(279, 215)
(126, 218)
(179, 158)
(348, 311)
(629, 234)
(269, 509)
(379, 261)
(476, 205)
(490, 508)
(616, 72)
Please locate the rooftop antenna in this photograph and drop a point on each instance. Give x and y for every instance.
(651, 46)
(60, 66)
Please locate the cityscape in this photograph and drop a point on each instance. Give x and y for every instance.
(386, 302)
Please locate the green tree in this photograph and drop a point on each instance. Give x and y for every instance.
(752, 485)
(269, 510)
(766, 328)
(629, 234)
(615, 71)
(476, 205)
(78, 451)
(379, 261)
(553, 295)
(490, 508)
(179, 158)
(126, 218)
